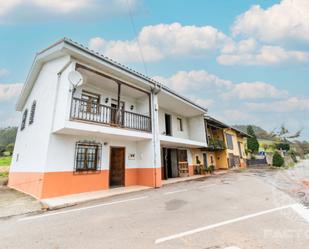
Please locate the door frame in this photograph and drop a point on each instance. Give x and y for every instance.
(110, 164)
(170, 124)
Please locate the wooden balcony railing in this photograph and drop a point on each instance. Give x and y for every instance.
(102, 114)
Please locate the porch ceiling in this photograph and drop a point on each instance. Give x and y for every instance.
(99, 81)
(180, 142)
(177, 105)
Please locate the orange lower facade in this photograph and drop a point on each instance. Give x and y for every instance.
(54, 184)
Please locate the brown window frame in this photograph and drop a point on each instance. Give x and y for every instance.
(92, 107)
(87, 156)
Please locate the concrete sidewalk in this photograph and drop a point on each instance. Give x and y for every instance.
(13, 203)
(71, 200)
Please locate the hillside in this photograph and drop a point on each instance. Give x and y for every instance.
(7, 135)
(259, 132)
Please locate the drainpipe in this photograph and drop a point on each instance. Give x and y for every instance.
(154, 91)
(57, 90)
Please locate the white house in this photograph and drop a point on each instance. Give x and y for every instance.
(90, 123)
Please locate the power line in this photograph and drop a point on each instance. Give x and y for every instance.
(136, 38)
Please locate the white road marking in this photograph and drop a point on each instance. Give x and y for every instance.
(206, 186)
(302, 211)
(81, 209)
(201, 229)
(176, 191)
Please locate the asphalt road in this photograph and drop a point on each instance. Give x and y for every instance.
(248, 209)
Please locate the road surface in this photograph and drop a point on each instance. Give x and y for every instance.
(247, 209)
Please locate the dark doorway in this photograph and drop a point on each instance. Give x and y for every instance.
(170, 162)
(168, 128)
(205, 162)
(117, 166)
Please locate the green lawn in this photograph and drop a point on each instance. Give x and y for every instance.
(5, 161)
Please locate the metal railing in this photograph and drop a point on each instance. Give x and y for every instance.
(103, 114)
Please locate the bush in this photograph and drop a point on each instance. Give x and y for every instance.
(278, 160)
(10, 148)
(283, 146)
(210, 169)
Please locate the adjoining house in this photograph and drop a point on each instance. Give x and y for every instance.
(226, 146)
(90, 123)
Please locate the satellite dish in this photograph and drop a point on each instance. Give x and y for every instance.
(75, 78)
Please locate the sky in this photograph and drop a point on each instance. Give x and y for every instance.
(245, 60)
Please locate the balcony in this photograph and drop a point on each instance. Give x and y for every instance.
(82, 110)
(216, 144)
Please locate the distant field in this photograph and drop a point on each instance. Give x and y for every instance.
(5, 161)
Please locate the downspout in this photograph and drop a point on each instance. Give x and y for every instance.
(57, 90)
(154, 91)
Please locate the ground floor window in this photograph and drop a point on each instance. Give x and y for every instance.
(87, 156)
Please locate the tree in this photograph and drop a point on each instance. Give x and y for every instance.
(2, 149)
(278, 160)
(253, 143)
(10, 148)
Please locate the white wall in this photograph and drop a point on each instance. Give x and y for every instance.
(193, 127)
(61, 152)
(197, 129)
(32, 143)
(175, 126)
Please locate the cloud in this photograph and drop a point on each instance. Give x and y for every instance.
(266, 55)
(287, 105)
(287, 20)
(200, 80)
(234, 115)
(3, 72)
(161, 41)
(203, 102)
(254, 90)
(31, 10)
(194, 80)
(8, 91)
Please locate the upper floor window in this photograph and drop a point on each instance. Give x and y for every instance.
(179, 121)
(229, 141)
(32, 112)
(24, 119)
(90, 102)
(87, 156)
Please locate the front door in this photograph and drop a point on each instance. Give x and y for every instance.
(117, 166)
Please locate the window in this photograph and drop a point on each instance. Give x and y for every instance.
(90, 102)
(229, 140)
(24, 119)
(87, 156)
(182, 156)
(179, 120)
(32, 112)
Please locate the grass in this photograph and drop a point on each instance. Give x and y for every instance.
(5, 161)
(4, 174)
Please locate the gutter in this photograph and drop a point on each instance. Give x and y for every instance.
(154, 91)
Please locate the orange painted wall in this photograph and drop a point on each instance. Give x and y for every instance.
(27, 182)
(191, 170)
(66, 183)
(53, 184)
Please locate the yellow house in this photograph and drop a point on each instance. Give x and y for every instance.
(226, 146)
